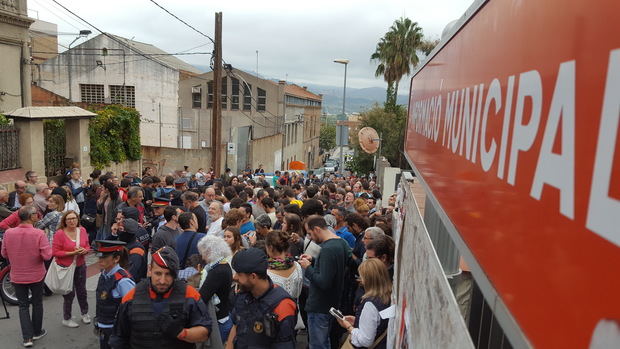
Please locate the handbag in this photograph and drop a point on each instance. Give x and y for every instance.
(59, 279)
(347, 342)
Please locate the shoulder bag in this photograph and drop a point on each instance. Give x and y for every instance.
(59, 279)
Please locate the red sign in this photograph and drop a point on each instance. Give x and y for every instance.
(514, 127)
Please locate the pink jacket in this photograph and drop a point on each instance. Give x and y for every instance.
(26, 248)
(62, 244)
(11, 221)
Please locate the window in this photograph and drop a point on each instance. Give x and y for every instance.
(234, 105)
(186, 123)
(186, 142)
(210, 94)
(92, 93)
(197, 96)
(123, 95)
(262, 99)
(224, 93)
(247, 96)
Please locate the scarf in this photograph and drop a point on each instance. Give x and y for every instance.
(281, 264)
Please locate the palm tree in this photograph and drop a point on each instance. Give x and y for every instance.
(396, 54)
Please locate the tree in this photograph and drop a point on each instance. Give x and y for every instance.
(390, 125)
(327, 137)
(396, 55)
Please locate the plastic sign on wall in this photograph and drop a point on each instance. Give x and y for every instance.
(514, 126)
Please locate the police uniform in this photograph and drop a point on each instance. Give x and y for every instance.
(267, 321)
(137, 252)
(111, 287)
(149, 320)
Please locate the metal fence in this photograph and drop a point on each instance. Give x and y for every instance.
(9, 147)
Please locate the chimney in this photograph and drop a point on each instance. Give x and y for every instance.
(305, 87)
(281, 82)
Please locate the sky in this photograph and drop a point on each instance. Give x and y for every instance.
(296, 41)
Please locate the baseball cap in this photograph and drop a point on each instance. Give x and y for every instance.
(252, 260)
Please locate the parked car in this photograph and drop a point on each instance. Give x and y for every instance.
(330, 166)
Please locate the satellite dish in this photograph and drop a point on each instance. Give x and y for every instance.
(369, 140)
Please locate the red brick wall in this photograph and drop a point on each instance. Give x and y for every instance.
(44, 98)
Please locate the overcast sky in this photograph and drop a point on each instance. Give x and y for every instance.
(296, 41)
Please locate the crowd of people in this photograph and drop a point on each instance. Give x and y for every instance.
(239, 261)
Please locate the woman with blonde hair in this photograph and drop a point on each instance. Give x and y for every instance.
(368, 329)
(71, 244)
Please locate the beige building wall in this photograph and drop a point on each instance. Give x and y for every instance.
(43, 42)
(196, 121)
(264, 152)
(14, 54)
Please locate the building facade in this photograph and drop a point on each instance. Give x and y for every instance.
(14, 55)
(109, 69)
(303, 124)
(263, 121)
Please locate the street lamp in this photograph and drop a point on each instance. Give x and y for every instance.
(83, 33)
(344, 98)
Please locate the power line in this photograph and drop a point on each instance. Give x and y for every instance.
(129, 54)
(112, 37)
(182, 21)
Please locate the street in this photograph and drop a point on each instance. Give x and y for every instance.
(57, 336)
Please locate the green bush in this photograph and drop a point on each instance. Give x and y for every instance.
(114, 135)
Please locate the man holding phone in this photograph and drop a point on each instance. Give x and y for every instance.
(326, 274)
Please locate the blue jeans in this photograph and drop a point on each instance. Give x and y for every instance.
(225, 329)
(318, 330)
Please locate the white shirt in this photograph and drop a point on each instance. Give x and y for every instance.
(291, 284)
(216, 228)
(72, 205)
(365, 334)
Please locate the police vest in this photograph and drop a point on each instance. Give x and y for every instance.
(254, 316)
(106, 304)
(145, 331)
(137, 256)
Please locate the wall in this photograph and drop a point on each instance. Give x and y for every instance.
(265, 151)
(263, 124)
(427, 315)
(15, 81)
(156, 86)
(44, 42)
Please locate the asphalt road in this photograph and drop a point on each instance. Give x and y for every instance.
(58, 336)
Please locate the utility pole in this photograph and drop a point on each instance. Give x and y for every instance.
(216, 122)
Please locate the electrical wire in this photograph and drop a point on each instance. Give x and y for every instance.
(182, 21)
(113, 37)
(129, 54)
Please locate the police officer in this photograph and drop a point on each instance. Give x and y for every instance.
(161, 312)
(264, 315)
(114, 283)
(137, 253)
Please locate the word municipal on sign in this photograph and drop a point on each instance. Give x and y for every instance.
(458, 120)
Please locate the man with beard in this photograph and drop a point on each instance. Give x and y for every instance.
(161, 311)
(264, 315)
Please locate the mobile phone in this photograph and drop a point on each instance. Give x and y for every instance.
(336, 313)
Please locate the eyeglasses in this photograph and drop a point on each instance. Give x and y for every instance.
(71, 219)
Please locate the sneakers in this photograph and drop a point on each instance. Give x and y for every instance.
(28, 343)
(39, 336)
(86, 319)
(70, 323)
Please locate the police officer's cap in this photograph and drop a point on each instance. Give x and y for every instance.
(105, 247)
(252, 260)
(160, 202)
(167, 258)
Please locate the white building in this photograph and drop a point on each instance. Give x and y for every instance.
(112, 69)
